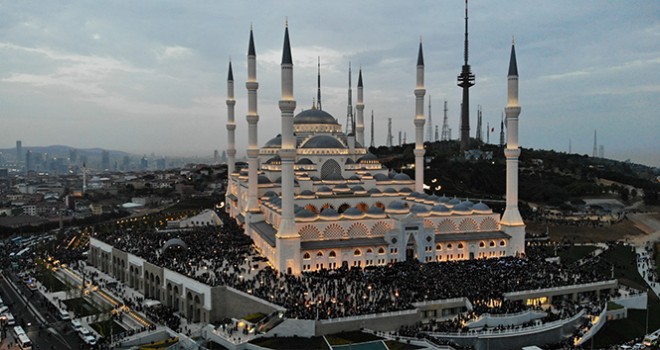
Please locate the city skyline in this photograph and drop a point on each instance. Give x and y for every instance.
(150, 77)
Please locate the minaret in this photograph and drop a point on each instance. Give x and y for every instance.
(349, 109)
(288, 239)
(372, 128)
(359, 129)
(429, 128)
(419, 123)
(252, 118)
(595, 151)
(445, 126)
(466, 81)
(231, 125)
(390, 138)
(570, 146)
(512, 222)
(502, 131)
(487, 132)
(318, 84)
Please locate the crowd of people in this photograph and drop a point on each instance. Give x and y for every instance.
(224, 255)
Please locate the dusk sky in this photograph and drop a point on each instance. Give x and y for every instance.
(150, 76)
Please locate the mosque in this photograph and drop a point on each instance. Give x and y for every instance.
(313, 197)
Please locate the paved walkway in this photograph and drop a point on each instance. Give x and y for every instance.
(644, 246)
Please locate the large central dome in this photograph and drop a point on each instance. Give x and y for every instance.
(314, 116)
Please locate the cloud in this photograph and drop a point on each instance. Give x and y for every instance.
(173, 52)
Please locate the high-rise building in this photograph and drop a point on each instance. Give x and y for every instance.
(105, 160)
(19, 152)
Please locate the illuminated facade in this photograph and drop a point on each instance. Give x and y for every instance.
(323, 201)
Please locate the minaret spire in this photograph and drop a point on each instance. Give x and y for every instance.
(502, 131)
(349, 109)
(419, 151)
(511, 222)
(288, 239)
(595, 151)
(318, 83)
(359, 128)
(429, 128)
(465, 81)
(231, 124)
(252, 118)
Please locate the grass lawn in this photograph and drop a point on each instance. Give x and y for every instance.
(395, 345)
(574, 253)
(51, 282)
(81, 307)
(350, 338)
(103, 327)
(293, 343)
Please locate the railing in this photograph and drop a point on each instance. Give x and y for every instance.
(440, 301)
(556, 289)
(520, 330)
(369, 316)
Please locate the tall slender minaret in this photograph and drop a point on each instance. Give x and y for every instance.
(445, 126)
(349, 109)
(570, 146)
(419, 151)
(372, 128)
(400, 137)
(231, 124)
(252, 118)
(595, 151)
(465, 81)
(288, 239)
(359, 129)
(487, 132)
(390, 138)
(502, 131)
(512, 223)
(318, 84)
(429, 128)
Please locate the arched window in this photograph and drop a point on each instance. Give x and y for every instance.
(449, 246)
(460, 246)
(492, 243)
(369, 251)
(502, 243)
(482, 244)
(332, 254)
(307, 256)
(381, 250)
(357, 252)
(438, 247)
(330, 167)
(319, 254)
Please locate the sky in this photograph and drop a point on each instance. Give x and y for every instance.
(150, 76)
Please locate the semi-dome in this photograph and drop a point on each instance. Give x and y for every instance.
(305, 161)
(314, 116)
(323, 141)
(349, 161)
(381, 177)
(274, 160)
(368, 158)
(275, 142)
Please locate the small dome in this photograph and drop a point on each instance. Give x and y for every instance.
(315, 178)
(368, 158)
(305, 161)
(175, 242)
(402, 177)
(482, 208)
(454, 201)
(269, 194)
(405, 190)
(323, 141)
(419, 209)
(354, 178)
(397, 207)
(329, 213)
(275, 142)
(297, 208)
(381, 177)
(392, 174)
(324, 190)
(390, 192)
(274, 160)
(468, 203)
(307, 193)
(440, 209)
(375, 210)
(349, 161)
(443, 200)
(462, 209)
(358, 188)
(273, 198)
(334, 176)
(305, 214)
(374, 191)
(314, 116)
(353, 213)
(263, 179)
